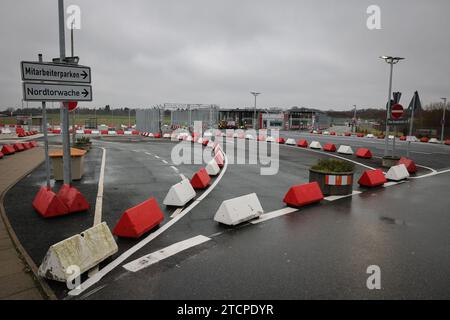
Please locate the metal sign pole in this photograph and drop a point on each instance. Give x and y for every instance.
(64, 110)
(388, 111)
(411, 125)
(45, 131)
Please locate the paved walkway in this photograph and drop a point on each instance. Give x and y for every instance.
(17, 281)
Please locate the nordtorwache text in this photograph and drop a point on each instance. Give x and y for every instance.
(50, 93)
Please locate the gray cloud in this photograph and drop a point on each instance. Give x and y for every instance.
(305, 53)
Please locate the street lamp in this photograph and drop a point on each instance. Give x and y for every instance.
(255, 94)
(443, 119)
(354, 119)
(391, 61)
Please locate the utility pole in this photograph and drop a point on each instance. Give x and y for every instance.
(255, 94)
(443, 119)
(391, 61)
(354, 119)
(64, 109)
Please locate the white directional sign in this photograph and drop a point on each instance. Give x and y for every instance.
(35, 71)
(56, 92)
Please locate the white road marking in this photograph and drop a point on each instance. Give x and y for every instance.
(175, 169)
(390, 184)
(176, 212)
(182, 176)
(99, 200)
(165, 253)
(148, 153)
(157, 157)
(334, 198)
(164, 161)
(273, 214)
(112, 265)
(431, 174)
(419, 152)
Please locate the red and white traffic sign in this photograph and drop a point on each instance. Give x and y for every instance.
(397, 111)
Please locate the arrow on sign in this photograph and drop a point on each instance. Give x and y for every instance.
(85, 93)
(84, 74)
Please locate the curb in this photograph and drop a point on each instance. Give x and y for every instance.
(42, 286)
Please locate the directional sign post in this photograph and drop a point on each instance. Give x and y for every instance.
(35, 71)
(56, 92)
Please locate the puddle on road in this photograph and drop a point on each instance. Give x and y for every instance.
(390, 220)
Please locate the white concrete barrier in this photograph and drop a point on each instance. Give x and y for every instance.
(234, 211)
(189, 138)
(180, 194)
(370, 136)
(167, 136)
(200, 140)
(150, 135)
(212, 168)
(95, 132)
(83, 251)
(208, 134)
(270, 139)
(345, 150)
(391, 137)
(235, 135)
(397, 173)
(211, 144)
(291, 142)
(315, 145)
(249, 137)
(220, 155)
(6, 131)
(433, 140)
(80, 131)
(128, 133)
(112, 133)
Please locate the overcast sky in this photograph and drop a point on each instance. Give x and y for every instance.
(297, 53)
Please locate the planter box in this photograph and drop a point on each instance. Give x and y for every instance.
(389, 161)
(332, 183)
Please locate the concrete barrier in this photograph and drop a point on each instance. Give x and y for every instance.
(167, 136)
(235, 211)
(329, 147)
(345, 150)
(85, 251)
(303, 195)
(315, 145)
(409, 164)
(281, 140)
(433, 140)
(138, 220)
(95, 132)
(290, 142)
(180, 194)
(270, 139)
(112, 133)
(364, 153)
(73, 199)
(397, 173)
(201, 179)
(302, 143)
(8, 149)
(213, 168)
(48, 204)
(372, 178)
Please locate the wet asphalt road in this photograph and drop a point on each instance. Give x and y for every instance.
(289, 257)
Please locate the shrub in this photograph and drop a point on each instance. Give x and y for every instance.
(333, 165)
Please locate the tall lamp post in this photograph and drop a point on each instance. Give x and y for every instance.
(255, 94)
(354, 119)
(443, 118)
(391, 61)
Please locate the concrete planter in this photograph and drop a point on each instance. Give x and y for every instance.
(389, 161)
(333, 183)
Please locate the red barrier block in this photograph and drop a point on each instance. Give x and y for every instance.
(120, 132)
(219, 160)
(360, 135)
(157, 136)
(34, 143)
(138, 220)
(205, 142)
(447, 142)
(364, 153)
(261, 138)
(56, 131)
(281, 140)
(303, 195)
(104, 132)
(409, 164)
(135, 133)
(73, 199)
(18, 147)
(30, 145)
(329, 147)
(87, 131)
(25, 146)
(8, 150)
(332, 133)
(424, 139)
(402, 138)
(21, 135)
(372, 178)
(48, 204)
(302, 144)
(201, 179)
